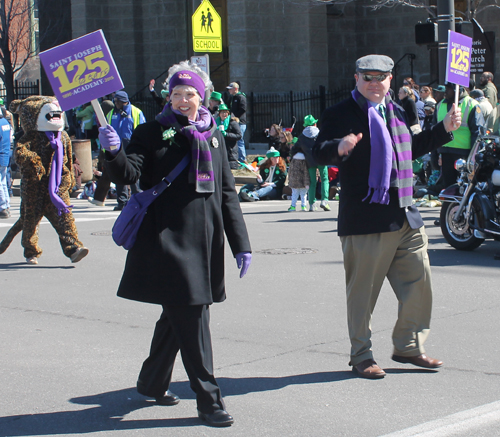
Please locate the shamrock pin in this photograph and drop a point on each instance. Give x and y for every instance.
(168, 134)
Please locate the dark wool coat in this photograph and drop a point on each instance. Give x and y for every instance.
(358, 217)
(178, 258)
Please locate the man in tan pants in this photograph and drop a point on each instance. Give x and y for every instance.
(382, 233)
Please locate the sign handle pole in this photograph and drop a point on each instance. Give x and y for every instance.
(456, 95)
(100, 115)
(98, 112)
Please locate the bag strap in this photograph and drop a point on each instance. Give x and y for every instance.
(176, 171)
(167, 180)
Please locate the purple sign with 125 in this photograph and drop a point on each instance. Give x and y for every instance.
(458, 62)
(81, 70)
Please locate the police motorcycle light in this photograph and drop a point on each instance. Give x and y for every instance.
(460, 164)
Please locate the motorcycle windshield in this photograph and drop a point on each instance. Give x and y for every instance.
(471, 159)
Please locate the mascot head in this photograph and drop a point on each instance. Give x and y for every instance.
(39, 113)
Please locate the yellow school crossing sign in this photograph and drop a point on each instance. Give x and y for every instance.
(207, 29)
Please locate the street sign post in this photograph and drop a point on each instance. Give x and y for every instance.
(203, 62)
(207, 29)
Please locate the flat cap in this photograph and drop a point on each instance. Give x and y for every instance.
(381, 63)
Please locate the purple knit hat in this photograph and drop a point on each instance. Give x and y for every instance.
(187, 77)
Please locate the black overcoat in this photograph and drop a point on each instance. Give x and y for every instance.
(357, 217)
(178, 257)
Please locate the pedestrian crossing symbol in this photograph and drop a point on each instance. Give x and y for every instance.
(207, 29)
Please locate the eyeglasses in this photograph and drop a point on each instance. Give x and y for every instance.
(377, 77)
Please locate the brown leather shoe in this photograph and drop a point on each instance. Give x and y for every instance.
(368, 369)
(419, 360)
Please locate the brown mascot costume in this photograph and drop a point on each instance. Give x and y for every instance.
(44, 155)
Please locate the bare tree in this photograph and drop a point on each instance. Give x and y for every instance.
(16, 46)
(475, 6)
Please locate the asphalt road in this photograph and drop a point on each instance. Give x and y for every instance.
(71, 350)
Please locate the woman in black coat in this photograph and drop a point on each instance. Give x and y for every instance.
(230, 129)
(178, 258)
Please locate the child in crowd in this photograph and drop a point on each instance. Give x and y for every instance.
(298, 180)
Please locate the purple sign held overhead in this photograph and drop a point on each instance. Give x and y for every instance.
(81, 70)
(458, 61)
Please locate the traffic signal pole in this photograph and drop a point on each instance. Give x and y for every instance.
(446, 21)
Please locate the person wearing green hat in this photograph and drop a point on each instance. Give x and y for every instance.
(439, 93)
(231, 132)
(309, 120)
(271, 179)
(305, 144)
(214, 102)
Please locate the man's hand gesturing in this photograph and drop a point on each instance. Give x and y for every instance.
(348, 143)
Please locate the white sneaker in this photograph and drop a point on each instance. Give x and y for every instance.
(32, 260)
(312, 207)
(79, 254)
(96, 202)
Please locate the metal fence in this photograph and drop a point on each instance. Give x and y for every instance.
(22, 90)
(146, 104)
(265, 109)
(289, 108)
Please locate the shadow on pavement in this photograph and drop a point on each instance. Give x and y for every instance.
(111, 407)
(24, 265)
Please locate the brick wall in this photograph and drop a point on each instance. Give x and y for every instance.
(273, 45)
(276, 45)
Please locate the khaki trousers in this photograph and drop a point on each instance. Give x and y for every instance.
(401, 256)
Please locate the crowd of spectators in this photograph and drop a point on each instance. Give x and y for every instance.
(421, 104)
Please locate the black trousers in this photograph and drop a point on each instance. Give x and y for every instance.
(122, 194)
(103, 183)
(185, 328)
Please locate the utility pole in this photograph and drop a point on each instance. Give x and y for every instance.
(446, 21)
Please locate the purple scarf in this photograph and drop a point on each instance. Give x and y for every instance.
(55, 175)
(198, 132)
(391, 154)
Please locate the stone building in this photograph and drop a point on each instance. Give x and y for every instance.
(268, 45)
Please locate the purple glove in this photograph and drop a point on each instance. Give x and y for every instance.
(243, 260)
(109, 139)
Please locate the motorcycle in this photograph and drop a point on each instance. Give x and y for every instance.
(470, 211)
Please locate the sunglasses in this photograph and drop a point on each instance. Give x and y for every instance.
(377, 77)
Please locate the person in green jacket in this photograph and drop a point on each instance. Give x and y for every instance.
(464, 136)
(85, 115)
